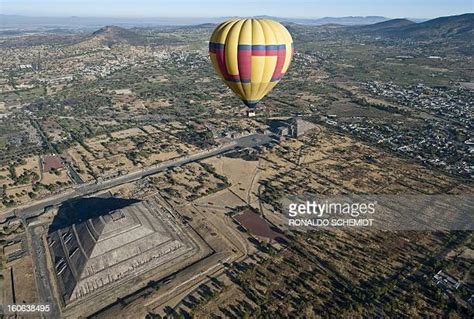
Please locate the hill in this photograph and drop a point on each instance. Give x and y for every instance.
(456, 27)
(387, 25)
(460, 27)
(112, 35)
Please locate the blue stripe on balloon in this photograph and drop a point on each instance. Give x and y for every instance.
(255, 47)
(214, 45)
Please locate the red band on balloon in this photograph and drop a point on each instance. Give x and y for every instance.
(244, 57)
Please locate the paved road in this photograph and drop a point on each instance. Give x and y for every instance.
(42, 276)
(76, 178)
(90, 188)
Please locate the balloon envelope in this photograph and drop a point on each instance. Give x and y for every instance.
(251, 56)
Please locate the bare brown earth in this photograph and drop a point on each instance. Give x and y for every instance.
(325, 163)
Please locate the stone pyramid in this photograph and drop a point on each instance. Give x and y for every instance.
(93, 254)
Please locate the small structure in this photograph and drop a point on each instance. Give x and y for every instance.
(445, 281)
(251, 113)
(471, 300)
(290, 127)
(51, 162)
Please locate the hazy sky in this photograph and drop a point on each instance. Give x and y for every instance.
(217, 8)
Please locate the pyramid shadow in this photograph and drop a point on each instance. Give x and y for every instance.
(77, 210)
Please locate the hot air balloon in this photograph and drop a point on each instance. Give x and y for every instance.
(251, 56)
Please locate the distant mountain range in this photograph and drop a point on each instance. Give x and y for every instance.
(24, 22)
(352, 20)
(460, 27)
(454, 27)
(18, 21)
